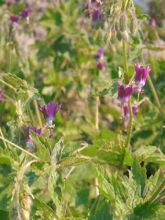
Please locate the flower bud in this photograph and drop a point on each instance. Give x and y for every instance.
(119, 36)
(123, 22)
(125, 35)
(133, 25)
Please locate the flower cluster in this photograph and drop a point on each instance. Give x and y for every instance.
(24, 14)
(99, 56)
(125, 91)
(93, 8)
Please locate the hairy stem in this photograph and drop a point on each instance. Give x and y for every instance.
(1, 135)
(153, 90)
(129, 131)
(97, 113)
(20, 148)
(126, 78)
(97, 128)
(38, 113)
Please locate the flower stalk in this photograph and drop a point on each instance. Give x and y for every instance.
(97, 113)
(125, 61)
(151, 85)
(19, 148)
(97, 128)
(152, 88)
(38, 114)
(129, 131)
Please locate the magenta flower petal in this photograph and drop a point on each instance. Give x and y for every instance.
(101, 65)
(134, 109)
(141, 73)
(126, 111)
(28, 129)
(14, 18)
(49, 111)
(29, 142)
(25, 13)
(124, 92)
(99, 54)
(96, 15)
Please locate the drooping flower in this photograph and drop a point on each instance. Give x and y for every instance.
(99, 56)
(124, 92)
(14, 18)
(50, 111)
(152, 22)
(9, 2)
(99, 53)
(29, 142)
(92, 3)
(126, 111)
(26, 12)
(134, 109)
(97, 15)
(141, 73)
(101, 65)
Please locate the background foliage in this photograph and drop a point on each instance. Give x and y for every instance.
(78, 170)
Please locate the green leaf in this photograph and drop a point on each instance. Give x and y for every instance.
(139, 174)
(19, 86)
(57, 151)
(100, 210)
(150, 154)
(41, 150)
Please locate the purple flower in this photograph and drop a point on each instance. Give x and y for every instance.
(99, 54)
(92, 3)
(25, 13)
(14, 18)
(101, 65)
(1, 95)
(134, 109)
(124, 92)
(126, 111)
(9, 2)
(29, 142)
(141, 73)
(50, 111)
(96, 15)
(152, 22)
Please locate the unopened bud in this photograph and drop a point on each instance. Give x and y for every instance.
(133, 25)
(125, 35)
(113, 36)
(119, 36)
(123, 22)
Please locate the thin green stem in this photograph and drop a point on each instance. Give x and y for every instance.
(125, 62)
(153, 90)
(129, 131)
(20, 148)
(1, 135)
(97, 113)
(97, 128)
(38, 113)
